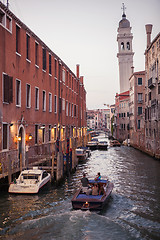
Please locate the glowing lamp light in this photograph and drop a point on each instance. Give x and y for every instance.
(30, 137)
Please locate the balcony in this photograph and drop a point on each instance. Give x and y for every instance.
(153, 102)
(151, 82)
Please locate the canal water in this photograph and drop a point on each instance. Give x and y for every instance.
(133, 211)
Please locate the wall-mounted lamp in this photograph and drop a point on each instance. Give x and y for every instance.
(30, 136)
(18, 138)
(43, 126)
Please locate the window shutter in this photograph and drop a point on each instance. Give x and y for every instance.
(10, 89)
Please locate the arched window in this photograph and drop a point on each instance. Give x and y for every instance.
(122, 45)
(128, 45)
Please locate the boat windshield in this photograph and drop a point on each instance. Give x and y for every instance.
(30, 176)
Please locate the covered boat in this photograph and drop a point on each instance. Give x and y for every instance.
(30, 181)
(85, 201)
(102, 145)
(81, 154)
(114, 143)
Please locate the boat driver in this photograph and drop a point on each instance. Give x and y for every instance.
(85, 183)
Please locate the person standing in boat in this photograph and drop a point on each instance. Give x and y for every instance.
(85, 183)
(98, 177)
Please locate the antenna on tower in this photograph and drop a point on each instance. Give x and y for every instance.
(123, 8)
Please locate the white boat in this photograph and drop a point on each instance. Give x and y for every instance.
(30, 181)
(81, 154)
(102, 145)
(92, 145)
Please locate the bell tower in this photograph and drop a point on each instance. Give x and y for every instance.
(125, 53)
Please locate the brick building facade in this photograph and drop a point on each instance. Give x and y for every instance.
(40, 97)
(137, 109)
(152, 108)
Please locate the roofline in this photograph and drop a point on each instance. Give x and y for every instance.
(11, 14)
(154, 40)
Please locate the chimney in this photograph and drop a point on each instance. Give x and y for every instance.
(132, 69)
(81, 79)
(148, 32)
(77, 70)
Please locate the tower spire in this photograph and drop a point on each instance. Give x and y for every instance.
(123, 8)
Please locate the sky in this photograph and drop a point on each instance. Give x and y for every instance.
(84, 32)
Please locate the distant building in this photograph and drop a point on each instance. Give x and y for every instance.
(152, 108)
(112, 113)
(121, 121)
(137, 109)
(98, 119)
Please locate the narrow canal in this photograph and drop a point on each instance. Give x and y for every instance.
(133, 211)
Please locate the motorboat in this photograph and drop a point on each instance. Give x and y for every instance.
(81, 154)
(114, 143)
(87, 201)
(102, 145)
(92, 145)
(30, 181)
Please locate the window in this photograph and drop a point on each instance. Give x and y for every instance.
(140, 97)
(122, 45)
(63, 104)
(55, 68)
(44, 59)
(2, 18)
(49, 133)
(55, 104)
(159, 89)
(63, 75)
(50, 102)
(36, 54)
(7, 89)
(139, 110)
(36, 134)
(69, 109)
(127, 114)
(27, 46)
(138, 124)
(139, 81)
(60, 104)
(44, 100)
(43, 135)
(128, 45)
(5, 136)
(36, 98)
(66, 108)
(18, 93)
(50, 64)
(9, 23)
(149, 96)
(17, 39)
(28, 95)
(72, 109)
(75, 110)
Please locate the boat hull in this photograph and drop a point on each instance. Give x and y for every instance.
(89, 202)
(27, 189)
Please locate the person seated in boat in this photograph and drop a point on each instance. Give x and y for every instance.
(101, 190)
(98, 177)
(95, 189)
(85, 183)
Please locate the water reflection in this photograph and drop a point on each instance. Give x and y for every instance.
(132, 212)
